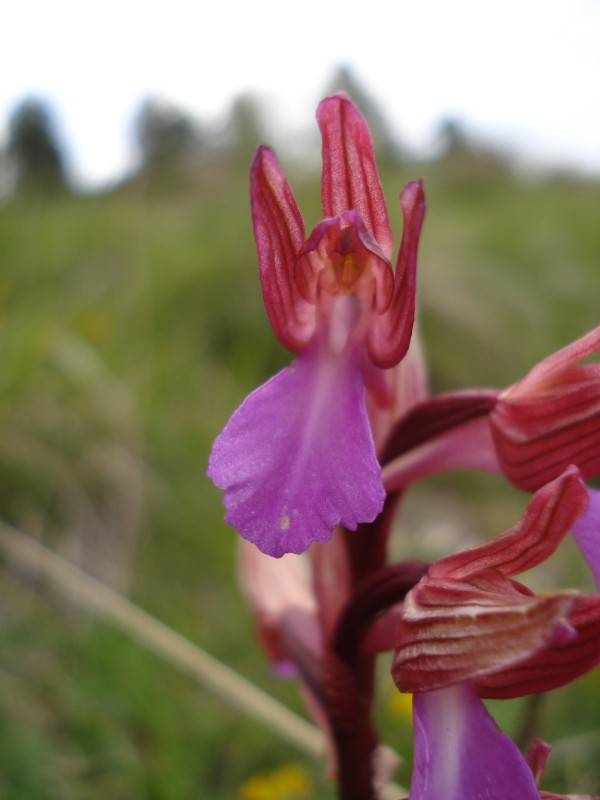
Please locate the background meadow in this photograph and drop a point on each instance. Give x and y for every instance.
(131, 326)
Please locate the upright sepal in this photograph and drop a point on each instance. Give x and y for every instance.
(350, 179)
(390, 334)
(279, 234)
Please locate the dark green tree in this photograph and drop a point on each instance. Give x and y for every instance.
(34, 148)
(245, 129)
(164, 134)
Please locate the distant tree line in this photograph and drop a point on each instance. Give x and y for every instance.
(173, 148)
(170, 145)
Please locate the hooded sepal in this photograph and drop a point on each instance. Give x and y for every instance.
(350, 180)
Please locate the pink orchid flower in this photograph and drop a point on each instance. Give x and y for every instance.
(468, 629)
(298, 457)
(468, 620)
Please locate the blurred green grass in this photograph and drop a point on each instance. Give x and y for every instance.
(131, 325)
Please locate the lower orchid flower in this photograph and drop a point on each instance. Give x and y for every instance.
(468, 630)
(468, 620)
(298, 456)
(284, 604)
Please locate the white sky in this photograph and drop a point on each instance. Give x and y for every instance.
(525, 72)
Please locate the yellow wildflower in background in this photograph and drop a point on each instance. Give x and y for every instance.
(400, 706)
(290, 782)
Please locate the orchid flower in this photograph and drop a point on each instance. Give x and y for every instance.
(467, 629)
(467, 620)
(298, 458)
(529, 432)
(289, 622)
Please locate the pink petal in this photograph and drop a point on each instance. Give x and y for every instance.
(586, 533)
(390, 334)
(461, 754)
(350, 180)
(297, 457)
(279, 234)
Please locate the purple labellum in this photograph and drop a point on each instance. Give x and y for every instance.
(297, 458)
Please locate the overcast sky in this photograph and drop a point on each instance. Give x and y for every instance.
(525, 72)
